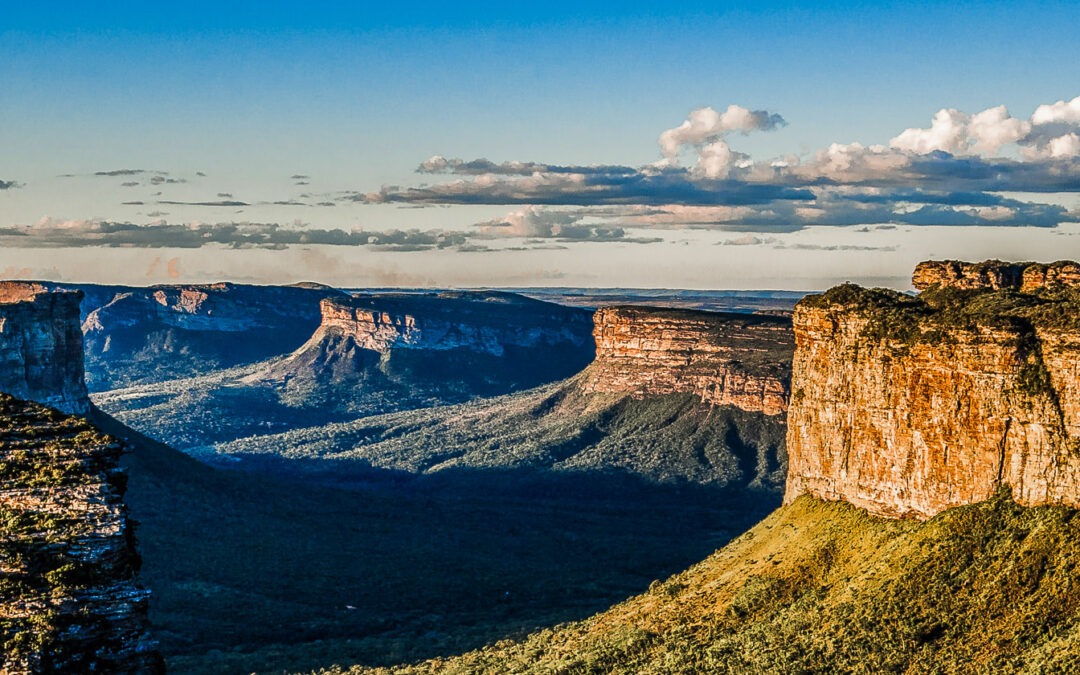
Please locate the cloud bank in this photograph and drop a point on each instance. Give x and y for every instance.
(953, 172)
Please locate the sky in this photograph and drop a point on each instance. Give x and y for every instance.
(777, 145)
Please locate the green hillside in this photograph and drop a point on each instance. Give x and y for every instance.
(824, 588)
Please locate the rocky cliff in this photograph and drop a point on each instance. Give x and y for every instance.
(724, 359)
(995, 275)
(68, 598)
(907, 406)
(455, 344)
(41, 357)
(136, 335)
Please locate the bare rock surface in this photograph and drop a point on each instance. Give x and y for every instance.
(909, 406)
(41, 346)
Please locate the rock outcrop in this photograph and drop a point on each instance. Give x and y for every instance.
(41, 346)
(724, 359)
(908, 406)
(995, 275)
(68, 598)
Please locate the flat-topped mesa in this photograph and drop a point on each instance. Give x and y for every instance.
(475, 321)
(41, 346)
(742, 360)
(1026, 277)
(907, 406)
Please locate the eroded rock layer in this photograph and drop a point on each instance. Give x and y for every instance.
(908, 406)
(68, 599)
(724, 359)
(995, 275)
(41, 346)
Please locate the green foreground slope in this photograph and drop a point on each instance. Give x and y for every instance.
(824, 588)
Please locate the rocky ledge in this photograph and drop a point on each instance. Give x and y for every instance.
(41, 346)
(907, 406)
(995, 275)
(742, 360)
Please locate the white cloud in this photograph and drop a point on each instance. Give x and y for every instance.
(948, 132)
(1062, 111)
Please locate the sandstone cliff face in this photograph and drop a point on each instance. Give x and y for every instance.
(907, 406)
(41, 346)
(724, 359)
(485, 323)
(995, 275)
(68, 599)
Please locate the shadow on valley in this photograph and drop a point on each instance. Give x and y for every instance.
(262, 572)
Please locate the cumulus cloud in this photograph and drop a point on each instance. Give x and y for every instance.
(704, 129)
(705, 125)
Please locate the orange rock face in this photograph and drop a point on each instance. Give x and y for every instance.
(932, 415)
(992, 274)
(995, 275)
(725, 359)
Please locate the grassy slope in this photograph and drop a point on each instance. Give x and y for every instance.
(822, 587)
(664, 438)
(252, 573)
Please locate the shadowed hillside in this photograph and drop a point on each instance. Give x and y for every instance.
(824, 588)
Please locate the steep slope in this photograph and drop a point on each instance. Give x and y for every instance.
(822, 587)
(445, 346)
(371, 354)
(672, 395)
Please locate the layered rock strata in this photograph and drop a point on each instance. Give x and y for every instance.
(41, 346)
(68, 598)
(995, 275)
(480, 322)
(908, 406)
(724, 359)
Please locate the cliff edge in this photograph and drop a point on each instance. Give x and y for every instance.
(723, 359)
(907, 406)
(41, 346)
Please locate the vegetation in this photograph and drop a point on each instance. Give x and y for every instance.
(251, 573)
(44, 456)
(823, 588)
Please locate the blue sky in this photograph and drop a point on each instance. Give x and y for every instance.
(355, 97)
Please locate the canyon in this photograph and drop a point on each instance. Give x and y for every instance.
(670, 396)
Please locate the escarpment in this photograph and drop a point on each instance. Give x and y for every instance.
(907, 406)
(137, 335)
(1025, 277)
(41, 346)
(471, 343)
(724, 359)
